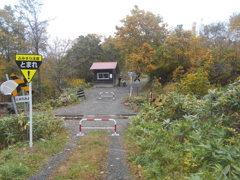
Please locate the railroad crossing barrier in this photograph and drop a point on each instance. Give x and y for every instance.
(106, 94)
(81, 127)
(80, 93)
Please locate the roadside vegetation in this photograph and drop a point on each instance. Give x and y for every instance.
(17, 160)
(15, 129)
(67, 97)
(188, 136)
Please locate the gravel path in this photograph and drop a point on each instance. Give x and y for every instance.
(117, 168)
(93, 106)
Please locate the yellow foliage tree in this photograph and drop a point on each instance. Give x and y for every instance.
(141, 61)
(196, 83)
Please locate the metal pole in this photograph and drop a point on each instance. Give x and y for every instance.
(24, 104)
(30, 115)
(131, 88)
(13, 100)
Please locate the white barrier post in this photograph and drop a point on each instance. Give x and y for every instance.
(111, 93)
(92, 119)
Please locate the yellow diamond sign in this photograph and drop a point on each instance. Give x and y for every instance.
(28, 64)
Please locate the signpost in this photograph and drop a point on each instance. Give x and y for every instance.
(131, 75)
(21, 99)
(28, 65)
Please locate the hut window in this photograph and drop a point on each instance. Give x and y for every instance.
(104, 75)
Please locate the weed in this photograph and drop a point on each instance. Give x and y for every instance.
(193, 138)
(19, 161)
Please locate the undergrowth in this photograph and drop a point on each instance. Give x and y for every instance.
(18, 161)
(185, 137)
(15, 129)
(67, 97)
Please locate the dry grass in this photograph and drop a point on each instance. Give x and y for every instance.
(87, 161)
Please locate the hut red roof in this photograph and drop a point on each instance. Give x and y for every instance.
(103, 65)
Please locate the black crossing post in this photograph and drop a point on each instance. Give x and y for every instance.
(80, 93)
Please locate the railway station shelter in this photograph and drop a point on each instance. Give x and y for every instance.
(105, 72)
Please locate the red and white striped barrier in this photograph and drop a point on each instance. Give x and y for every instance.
(101, 95)
(81, 127)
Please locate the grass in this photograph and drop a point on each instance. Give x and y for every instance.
(19, 162)
(87, 160)
(136, 171)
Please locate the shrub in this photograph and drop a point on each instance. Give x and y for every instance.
(195, 83)
(180, 138)
(136, 102)
(16, 128)
(189, 148)
(76, 83)
(173, 108)
(69, 96)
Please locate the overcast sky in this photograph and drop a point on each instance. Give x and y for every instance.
(72, 18)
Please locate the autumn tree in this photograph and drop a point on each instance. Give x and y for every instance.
(141, 60)
(140, 30)
(174, 53)
(216, 38)
(30, 11)
(177, 47)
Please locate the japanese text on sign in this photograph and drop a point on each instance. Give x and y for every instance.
(28, 65)
(23, 57)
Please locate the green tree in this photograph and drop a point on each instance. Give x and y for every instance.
(112, 52)
(85, 51)
(56, 66)
(234, 27)
(12, 34)
(173, 53)
(234, 34)
(216, 38)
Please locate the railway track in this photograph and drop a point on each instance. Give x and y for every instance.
(80, 116)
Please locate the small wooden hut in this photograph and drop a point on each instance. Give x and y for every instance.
(105, 72)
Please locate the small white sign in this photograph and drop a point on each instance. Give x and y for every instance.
(21, 99)
(8, 87)
(132, 74)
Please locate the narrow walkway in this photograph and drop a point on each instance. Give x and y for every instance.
(48, 169)
(117, 168)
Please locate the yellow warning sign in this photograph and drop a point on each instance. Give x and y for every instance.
(28, 64)
(28, 73)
